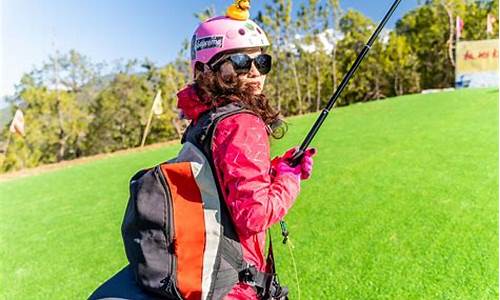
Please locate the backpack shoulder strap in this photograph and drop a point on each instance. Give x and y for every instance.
(201, 133)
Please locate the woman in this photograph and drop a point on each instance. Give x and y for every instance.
(229, 66)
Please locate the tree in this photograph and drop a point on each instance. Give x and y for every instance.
(400, 65)
(273, 20)
(120, 113)
(168, 125)
(368, 82)
(475, 20)
(314, 23)
(335, 13)
(453, 9)
(426, 31)
(71, 75)
(55, 100)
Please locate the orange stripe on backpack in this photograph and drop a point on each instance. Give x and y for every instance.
(189, 226)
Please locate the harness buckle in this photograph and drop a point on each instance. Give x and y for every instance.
(266, 284)
(247, 275)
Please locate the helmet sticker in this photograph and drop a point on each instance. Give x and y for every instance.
(193, 51)
(208, 42)
(249, 26)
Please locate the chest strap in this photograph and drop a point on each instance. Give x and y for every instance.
(266, 284)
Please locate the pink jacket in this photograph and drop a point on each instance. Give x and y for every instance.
(255, 200)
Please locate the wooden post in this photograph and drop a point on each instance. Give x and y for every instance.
(148, 124)
(146, 131)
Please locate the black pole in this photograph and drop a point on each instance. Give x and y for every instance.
(298, 155)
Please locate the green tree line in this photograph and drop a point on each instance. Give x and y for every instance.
(72, 108)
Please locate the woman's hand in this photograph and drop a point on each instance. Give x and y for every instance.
(303, 170)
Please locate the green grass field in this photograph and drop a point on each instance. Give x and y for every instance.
(402, 204)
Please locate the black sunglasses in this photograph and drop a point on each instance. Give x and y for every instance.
(242, 63)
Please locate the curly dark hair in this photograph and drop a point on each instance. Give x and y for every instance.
(216, 90)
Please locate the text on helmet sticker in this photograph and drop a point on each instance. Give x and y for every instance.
(207, 43)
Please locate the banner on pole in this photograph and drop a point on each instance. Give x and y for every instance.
(157, 104)
(490, 19)
(17, 124)
(477, 64)
(459, 26)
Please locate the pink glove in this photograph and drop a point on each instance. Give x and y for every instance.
(279, 165)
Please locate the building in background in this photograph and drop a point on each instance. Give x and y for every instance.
(476, 64)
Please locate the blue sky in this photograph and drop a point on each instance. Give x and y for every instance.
(108, 30)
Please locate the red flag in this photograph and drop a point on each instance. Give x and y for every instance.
(489, 23)
(17, 124)
(460, 26)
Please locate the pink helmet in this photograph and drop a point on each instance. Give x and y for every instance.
(221, 34)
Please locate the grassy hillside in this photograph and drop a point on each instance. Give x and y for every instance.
(402, 204)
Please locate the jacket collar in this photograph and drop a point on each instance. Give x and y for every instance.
(190, 104)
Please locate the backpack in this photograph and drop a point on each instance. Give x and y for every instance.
(178, 235)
